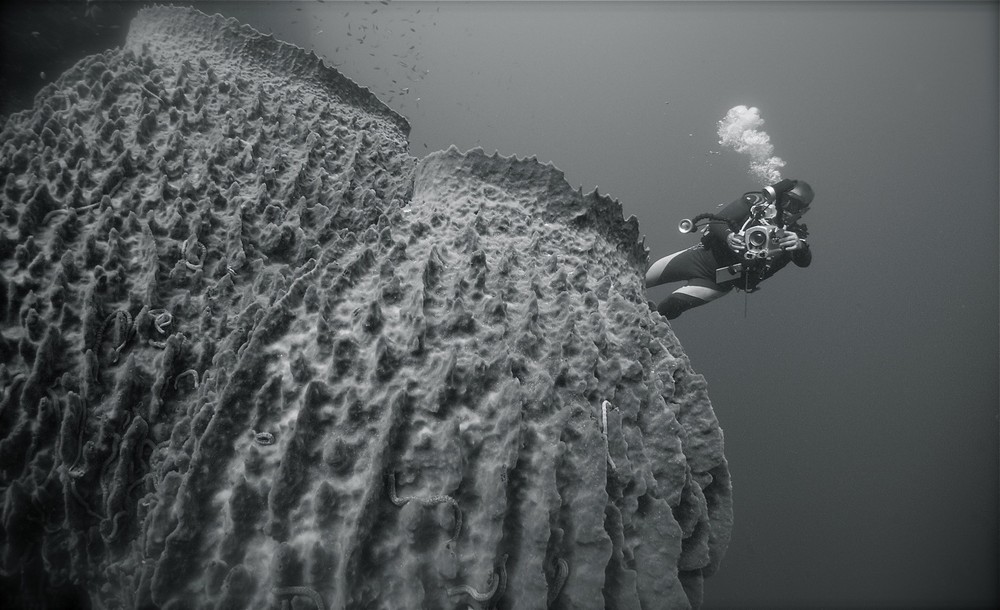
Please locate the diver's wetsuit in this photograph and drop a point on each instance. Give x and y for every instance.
(699, 263)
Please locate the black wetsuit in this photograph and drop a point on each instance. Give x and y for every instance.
(699, 263)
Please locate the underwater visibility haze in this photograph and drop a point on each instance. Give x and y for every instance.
(858, 397)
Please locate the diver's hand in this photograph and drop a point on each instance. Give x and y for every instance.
(790, 241)
(735, 243)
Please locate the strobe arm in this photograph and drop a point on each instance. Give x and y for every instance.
(690, 225)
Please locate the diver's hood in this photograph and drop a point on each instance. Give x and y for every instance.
(801, 191)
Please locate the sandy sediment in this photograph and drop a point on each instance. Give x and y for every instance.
(254, 352)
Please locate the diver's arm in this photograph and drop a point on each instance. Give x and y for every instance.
(796, 246)
(736, 212)
(802, 255)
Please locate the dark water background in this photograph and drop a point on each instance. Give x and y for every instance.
(859, 397)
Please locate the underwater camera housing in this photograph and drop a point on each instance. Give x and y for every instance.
(762, 241)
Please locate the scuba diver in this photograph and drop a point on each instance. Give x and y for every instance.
(747, 242)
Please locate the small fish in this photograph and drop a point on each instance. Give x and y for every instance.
(42, 74)
(36, 34)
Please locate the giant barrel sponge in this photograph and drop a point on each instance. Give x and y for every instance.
(256, 355)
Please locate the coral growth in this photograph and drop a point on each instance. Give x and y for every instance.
(237, 314)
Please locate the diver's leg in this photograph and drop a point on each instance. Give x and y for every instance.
(698, 292)
(674, 268)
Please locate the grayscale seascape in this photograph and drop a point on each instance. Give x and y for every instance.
(316, 304)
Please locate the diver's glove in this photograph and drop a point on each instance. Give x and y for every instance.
(791, 241)
(735, 242)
